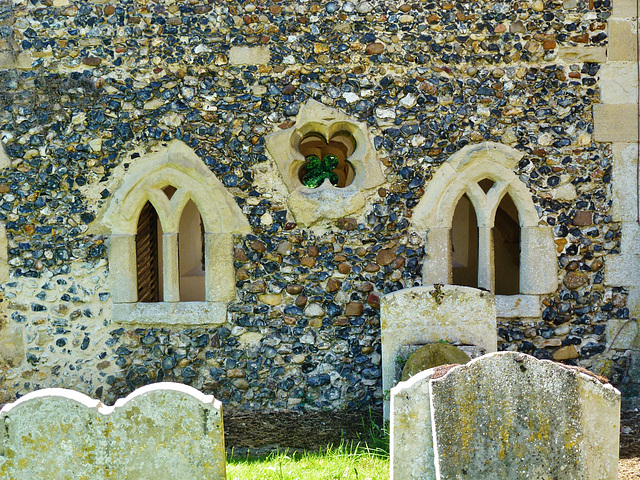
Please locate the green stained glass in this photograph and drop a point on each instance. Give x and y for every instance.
(319, 170)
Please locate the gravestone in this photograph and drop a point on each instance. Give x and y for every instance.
(504, 416)
(159, 432)
(429, 314)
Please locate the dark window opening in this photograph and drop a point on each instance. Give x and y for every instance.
(464, 239)
(506, 238)
(148, 255)
(486, 184)
(191, 255)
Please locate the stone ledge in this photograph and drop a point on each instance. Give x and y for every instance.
(170, 313)
(615, 123)
(518, 306)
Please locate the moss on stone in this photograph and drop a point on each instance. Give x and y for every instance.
(433, 355)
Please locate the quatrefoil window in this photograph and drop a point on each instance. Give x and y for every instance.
(328, 164)
(327, 160)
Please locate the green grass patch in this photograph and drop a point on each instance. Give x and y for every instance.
(346, 462)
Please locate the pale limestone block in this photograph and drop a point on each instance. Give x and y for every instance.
(311, 205)
(122, 268)
(615, 123)
(564, 193)
(625, 182)
(508, 416)
(165, 432)
(437, 264)
(325, 202)
(623, 334)
(5, 161)
(623, 40)
(630, 241)
(625, 8)
(582, 54)
(633, 300)
(249, 55)
(170, 313)
(410, 439)
(518, 306)
(622, 270)
(619, 83)
(220, 273)
(161, 431)
(22, 61)
(428, 314)
(12, 349)
(538, 261)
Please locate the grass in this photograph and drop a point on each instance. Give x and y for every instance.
(366, 460)
(346, 462)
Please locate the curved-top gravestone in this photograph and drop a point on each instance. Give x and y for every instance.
(505, 416)
(162, 431)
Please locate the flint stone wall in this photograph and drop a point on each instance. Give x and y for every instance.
(161, 431)
(91, 88)
(504, 416)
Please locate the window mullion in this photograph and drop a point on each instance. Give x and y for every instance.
(486, 270)
(170, 267)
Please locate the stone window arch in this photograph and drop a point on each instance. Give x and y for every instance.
(168, 185)
(484, 175)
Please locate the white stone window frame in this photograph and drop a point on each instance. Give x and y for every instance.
(433, 215)
(174, 165)
(326, 202)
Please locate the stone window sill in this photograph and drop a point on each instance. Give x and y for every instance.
(170, 313)
(518, 306)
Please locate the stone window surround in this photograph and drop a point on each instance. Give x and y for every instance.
(326, 202)
(176, 165)
(433, 215)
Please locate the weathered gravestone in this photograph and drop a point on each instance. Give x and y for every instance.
(428, 314)
(161, 431)
(504, 416)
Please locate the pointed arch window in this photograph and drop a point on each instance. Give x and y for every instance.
(477, 214)
(171, 225)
